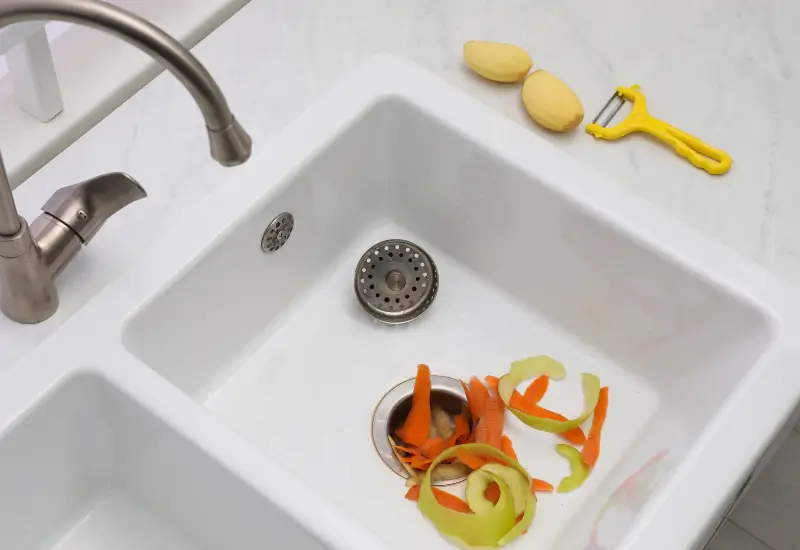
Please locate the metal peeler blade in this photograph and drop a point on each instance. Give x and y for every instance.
(609, 118)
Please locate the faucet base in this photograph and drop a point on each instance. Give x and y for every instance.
(27, 292)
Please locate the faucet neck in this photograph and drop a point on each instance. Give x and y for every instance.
(9, 218)
(230, 144)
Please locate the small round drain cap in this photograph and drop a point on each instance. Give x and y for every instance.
(396, 281)
(277, 232)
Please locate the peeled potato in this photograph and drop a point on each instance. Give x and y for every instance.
(497, 61)
(551, 103)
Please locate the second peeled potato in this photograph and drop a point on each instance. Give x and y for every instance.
(497, 61)
(551, 103)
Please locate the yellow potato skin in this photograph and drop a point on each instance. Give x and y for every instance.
(551, 103)
(497, 61)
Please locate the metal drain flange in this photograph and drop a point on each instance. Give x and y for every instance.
(277, 232)
(396, 281)
(392, 410)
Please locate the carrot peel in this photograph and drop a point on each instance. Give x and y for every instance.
(448, 500)
(473, 461)
(416, 427)
(591, 450)
(492, 382)
(507, 447)
(490, 426)
(462, 428)
(535, 392)
(432, 447)
(479, 395)
(492, 493)
(541, 486)
(420, 462)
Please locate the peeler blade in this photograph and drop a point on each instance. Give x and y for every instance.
(609, 118)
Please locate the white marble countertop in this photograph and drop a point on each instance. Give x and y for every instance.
(96, 73)
(727, 71)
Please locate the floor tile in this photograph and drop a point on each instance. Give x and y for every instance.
(732, 537)
(769, 509)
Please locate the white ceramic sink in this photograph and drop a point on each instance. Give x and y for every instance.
(218, 397)
(90, 468)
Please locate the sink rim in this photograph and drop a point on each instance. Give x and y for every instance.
(717, 458)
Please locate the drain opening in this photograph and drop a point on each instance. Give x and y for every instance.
(396, 269)
(446, 393)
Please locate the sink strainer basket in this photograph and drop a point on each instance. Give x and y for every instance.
(396, 281)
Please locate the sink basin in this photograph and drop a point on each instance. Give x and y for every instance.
(90, 468)
(267, 361)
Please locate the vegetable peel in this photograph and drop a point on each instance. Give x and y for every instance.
(416, 427)
(412, 475)
(448, 500)
(490, 425)
(462, 429)
(500, 497)
(507, 447)
(472, 460)
(578, 470)
(591, 449)
(492, 382)
(533, 367)
(535, 392)
(432, 447)
(480, 394)
(574, 436)
(477, 483)
(516, 482)
(491, 527)
(541, 486)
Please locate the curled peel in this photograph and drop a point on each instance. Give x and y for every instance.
(533, 367)
(578, 470)
(490, 526)
(479, 480)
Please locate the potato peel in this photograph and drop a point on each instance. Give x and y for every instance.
(533, 367)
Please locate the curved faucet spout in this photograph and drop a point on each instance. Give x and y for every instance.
(30, 257)
(230, 144)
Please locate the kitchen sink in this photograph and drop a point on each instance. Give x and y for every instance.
(254, 371)
(90, 468)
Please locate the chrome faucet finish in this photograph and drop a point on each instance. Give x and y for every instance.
(31, 257)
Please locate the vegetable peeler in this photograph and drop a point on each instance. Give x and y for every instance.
(700, 154)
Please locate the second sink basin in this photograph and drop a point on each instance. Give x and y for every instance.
(535, 255)
(92, 469)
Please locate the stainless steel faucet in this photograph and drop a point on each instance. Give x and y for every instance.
(31, 257)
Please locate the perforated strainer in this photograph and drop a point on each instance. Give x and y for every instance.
(396, 281)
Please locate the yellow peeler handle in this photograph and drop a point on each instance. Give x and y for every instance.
(700, 154)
